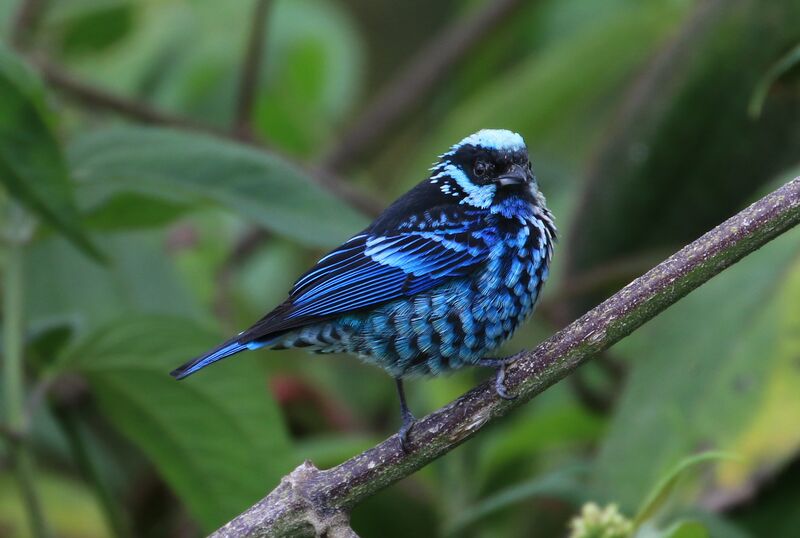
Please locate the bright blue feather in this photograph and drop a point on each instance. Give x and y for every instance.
(373, 269)
(225, 350)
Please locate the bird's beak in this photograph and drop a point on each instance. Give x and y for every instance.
(516, 175)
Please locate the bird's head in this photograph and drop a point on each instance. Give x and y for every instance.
(485, 169)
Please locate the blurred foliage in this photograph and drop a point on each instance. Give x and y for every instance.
(648, 122)
(711, 392)
(32, 166)
(184, 169)
(711, 69)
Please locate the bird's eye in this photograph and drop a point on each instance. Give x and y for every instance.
(480, 168)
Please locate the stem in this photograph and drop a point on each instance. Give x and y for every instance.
(72, 428)
(13, 331)
(24, 471)
(25, 21)
(251, 70)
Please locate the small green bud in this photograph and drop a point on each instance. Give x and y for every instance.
(594, 522)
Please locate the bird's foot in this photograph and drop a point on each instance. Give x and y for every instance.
(500, 378)
(408, 418)
(408, 422)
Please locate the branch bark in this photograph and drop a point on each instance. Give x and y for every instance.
(310, 501)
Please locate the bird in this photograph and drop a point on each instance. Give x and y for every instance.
(437, 282)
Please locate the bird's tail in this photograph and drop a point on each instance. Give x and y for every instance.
(231, 347)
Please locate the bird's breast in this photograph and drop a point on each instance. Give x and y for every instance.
(462, 321)
(508, 286)
(459, 322)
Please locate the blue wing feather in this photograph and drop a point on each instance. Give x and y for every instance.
(372, 269)
(386, 268)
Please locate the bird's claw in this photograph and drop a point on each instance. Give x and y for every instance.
(500, 387)
(500, 378)
(405, 430)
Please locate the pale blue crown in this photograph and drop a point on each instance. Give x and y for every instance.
(494, 139)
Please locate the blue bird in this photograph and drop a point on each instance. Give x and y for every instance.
(439, 280)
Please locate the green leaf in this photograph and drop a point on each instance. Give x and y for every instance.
(687, 529)
(659, 495)
(87, 26)
(555, 424)
(314, 60)
(767, 438)
(718, 525)
(131, 210)
(562, 484)
(680, 529)
(717, 370)
(781, 67)
(69, 506)
(187, 168)
(140, 278)
(31, 163)
(217, 439)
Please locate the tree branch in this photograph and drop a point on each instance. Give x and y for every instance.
(405, 91)
(251, 69)
(96, 98)
(25, 21)
(310, 500)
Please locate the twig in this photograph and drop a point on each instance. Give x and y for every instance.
(12, 437)
(407, 89)
(35, 398)
(99, 99)
(251, 69)
(13, 370)
(24, 21)
(68, 418)
(311, 501)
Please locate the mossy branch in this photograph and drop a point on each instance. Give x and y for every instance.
(312, 502)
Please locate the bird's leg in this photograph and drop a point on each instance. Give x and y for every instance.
(499, 381)
(405, 413)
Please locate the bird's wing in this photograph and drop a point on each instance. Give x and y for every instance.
(372, 269)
